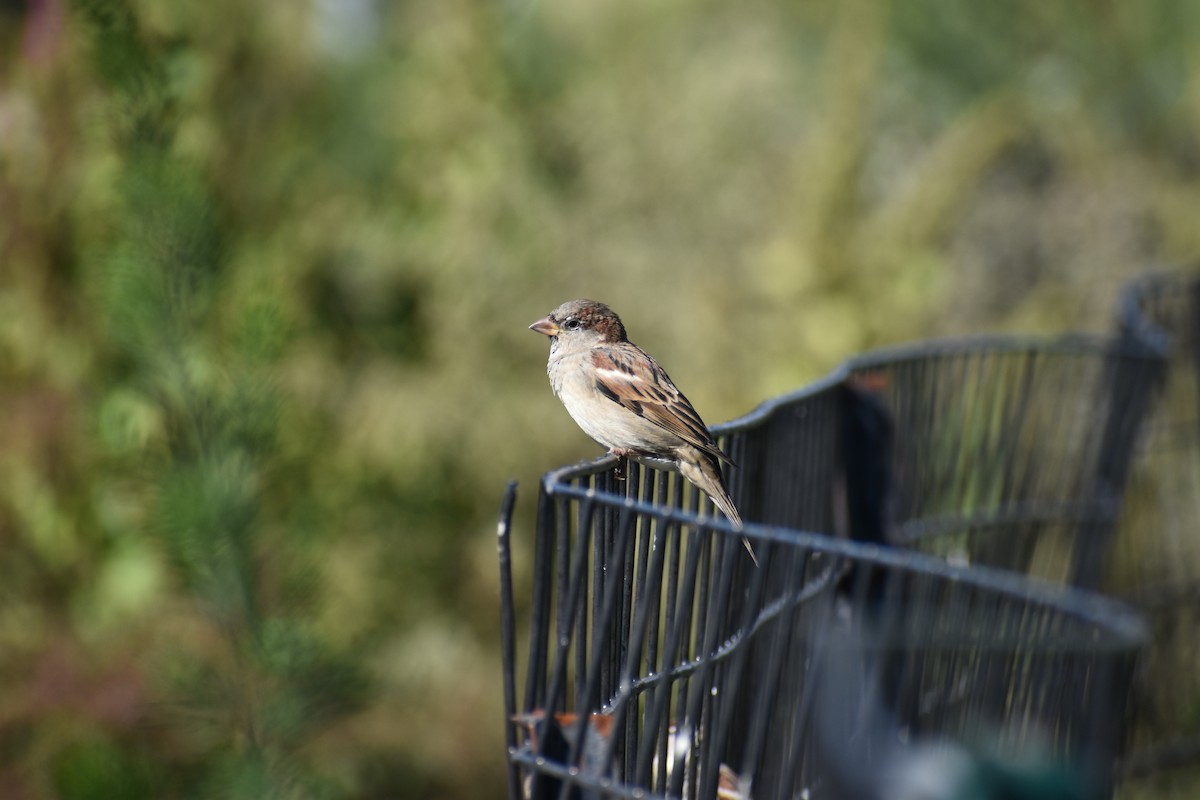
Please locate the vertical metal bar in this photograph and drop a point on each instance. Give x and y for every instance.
(724, 704)
(599, 651)
(698, 684)
(658, 715)
(601, 546)
(585, 536)
(539, 623)
(645, 629)
(562, 562)
(508, 633)
(572, 601)
(1132, 383)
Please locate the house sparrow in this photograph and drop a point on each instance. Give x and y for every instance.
(624, 400)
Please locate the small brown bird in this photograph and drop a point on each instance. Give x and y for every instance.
(624, 400)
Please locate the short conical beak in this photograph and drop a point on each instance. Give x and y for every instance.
(545, 326)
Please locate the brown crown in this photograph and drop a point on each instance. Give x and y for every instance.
(594, 316)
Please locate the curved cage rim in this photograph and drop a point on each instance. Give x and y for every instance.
(1124, 623)
(1066, 344)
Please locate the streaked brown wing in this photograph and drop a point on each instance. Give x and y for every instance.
(631, 378)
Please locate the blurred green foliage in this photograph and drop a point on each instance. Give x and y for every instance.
(265, 272)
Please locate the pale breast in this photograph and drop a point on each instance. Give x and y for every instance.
(607, 422)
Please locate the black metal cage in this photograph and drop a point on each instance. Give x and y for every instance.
(662, 662)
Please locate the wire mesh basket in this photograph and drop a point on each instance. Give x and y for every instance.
(1010, 452)
(1156, 555)
(662, 662)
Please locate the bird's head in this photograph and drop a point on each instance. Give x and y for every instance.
(583, 323)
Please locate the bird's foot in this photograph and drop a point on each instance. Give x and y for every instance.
(623, 455)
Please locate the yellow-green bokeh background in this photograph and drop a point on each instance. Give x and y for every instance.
(321, 230)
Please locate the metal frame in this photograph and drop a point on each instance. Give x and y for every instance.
(645, 607)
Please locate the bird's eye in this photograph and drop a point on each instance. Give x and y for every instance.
(572, 324)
